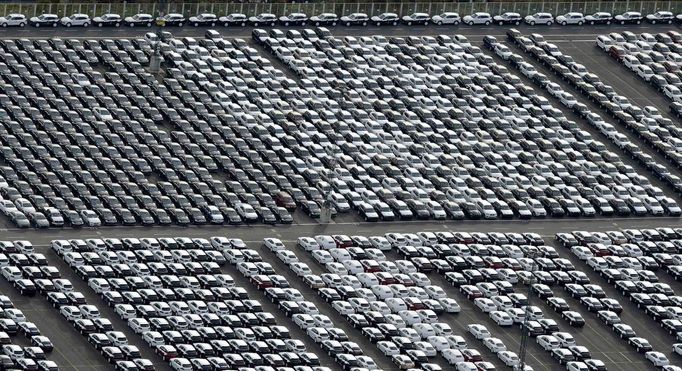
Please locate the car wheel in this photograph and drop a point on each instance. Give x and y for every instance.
(395, 23)
(549, 23)
(4, 25)
(426, 23)
(652, 22)
(532, 23)
(563, 23)
(670, 21)
(86, 24)
(180, 24)
(409, 23)
(99, 25)
(580, 23)
(196, 24)
(212, 24)
(22, 24)
(500, 23)
(317, 23)
(638, 22)
(149, 24)
(487, 23)
(378, 24)
(272, 24)
(440, 23)
(37, 24)
(303, 24)
(243, 24)
(286, 24)
(592, 22)
(364, 23)
(255, 24)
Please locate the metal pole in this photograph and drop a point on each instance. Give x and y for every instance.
(326, 210)
(524, 332)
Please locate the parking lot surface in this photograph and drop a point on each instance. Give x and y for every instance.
(73, 352)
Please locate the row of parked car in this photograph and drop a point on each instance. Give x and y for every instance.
(30, 274)
(392, 302)
(656, 59)
(121, 110)
(629, 260)
(647, 123)
(174, 294)
(331, 19)
(444, 80)
(13, 323)
(485, 267)
(391, 166)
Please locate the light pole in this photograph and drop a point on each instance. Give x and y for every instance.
(328, 204)
(155, 60)
(524, 327)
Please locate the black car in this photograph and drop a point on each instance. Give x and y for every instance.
(508, 18)
(471, 210)
(621, 208)
(599, 18)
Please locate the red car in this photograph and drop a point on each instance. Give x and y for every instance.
(617, 52)
(342, 241)
(167, 352)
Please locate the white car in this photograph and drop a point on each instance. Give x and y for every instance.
(388, 348)
(657, 358)
(82, 20)
(677, 348)
(359, 19)
(565, 339)
(325, 242)
(287, 257)
(17, 20)
(494, 344)
(308, 243)
(323, 256)
(509, 358)
(205, 19)
(576, 366)
(479, 331)
(426, 347)
(273, 244)
(450, 305)
(153, 338)
(453, 356)
(539, 18)
(548, 342)
(501, 318)
(660, 17)
(446, 18)
(416, 18)
(485, 305)
(571, 18)
(181, 364)
(90, 218)
(478, 18)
